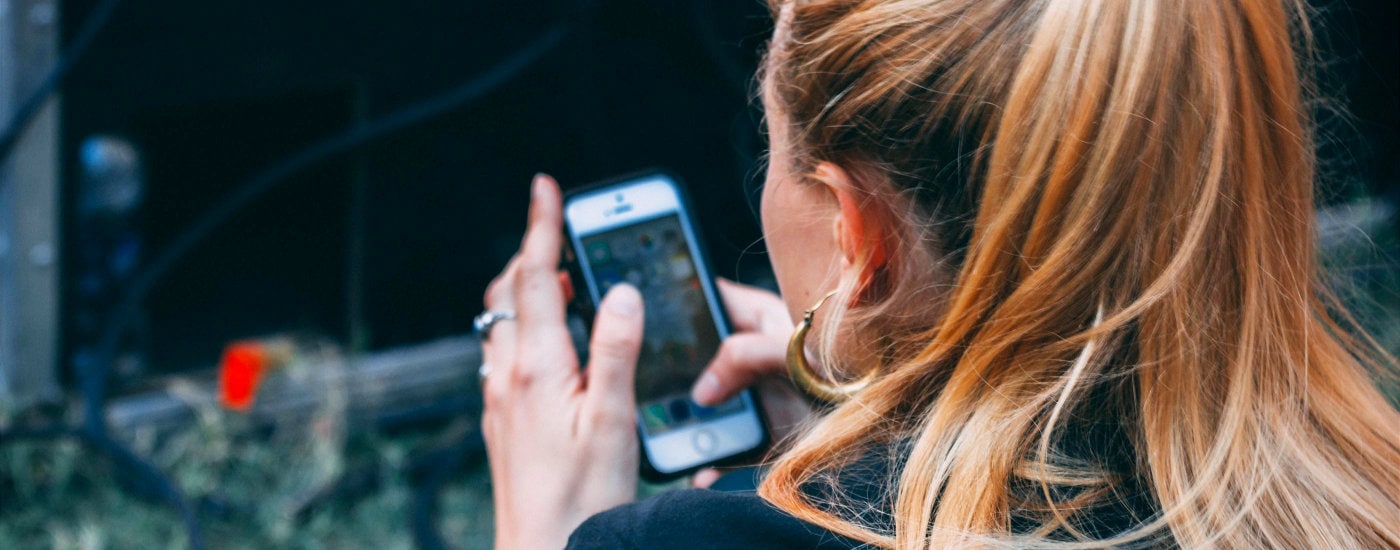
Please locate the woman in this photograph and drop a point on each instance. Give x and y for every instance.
(1073, 241)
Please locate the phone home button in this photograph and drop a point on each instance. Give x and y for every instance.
(704, 442)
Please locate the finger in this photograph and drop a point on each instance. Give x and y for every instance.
(612, 363)
(544, 348)
(741, 361)
(498, 345)
(538, 293)
(703, 479)
(753, 309)
(500, 293)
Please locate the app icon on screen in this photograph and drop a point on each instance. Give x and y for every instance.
(680, 267)
(733, 405)
(654, 416)
(702, 412)
(607, 277)
(680, 410)
(599, 252)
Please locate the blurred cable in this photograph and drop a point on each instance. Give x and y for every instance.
(147, 476)
(77, 47)
(265, 180)
(93, 374)
(432, 471)
(268, 178)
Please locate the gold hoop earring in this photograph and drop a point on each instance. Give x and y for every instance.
(805, 377)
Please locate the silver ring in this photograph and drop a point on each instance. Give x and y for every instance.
(483, 323)
(482, 372)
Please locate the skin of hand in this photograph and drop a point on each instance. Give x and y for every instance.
(755, 355)
(562, 441)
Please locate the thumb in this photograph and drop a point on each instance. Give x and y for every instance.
(612, 363)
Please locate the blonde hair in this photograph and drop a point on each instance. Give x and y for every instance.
(1120, 193)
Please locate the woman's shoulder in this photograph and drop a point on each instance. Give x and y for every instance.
(702, 518)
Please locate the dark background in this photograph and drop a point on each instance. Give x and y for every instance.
(395, 242)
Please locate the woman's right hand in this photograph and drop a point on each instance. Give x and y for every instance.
(755, 355)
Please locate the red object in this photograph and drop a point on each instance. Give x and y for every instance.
(240, 372)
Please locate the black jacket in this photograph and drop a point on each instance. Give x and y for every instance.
(731, 515)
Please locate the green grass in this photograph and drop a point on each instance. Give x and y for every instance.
(58, 496)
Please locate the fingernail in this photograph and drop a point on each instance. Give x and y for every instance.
(705, 389)
(537, 186)
(623, 300)
(534, 197)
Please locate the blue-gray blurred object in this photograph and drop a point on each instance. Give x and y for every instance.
(112, 177)
(30, 250)
(107, 252)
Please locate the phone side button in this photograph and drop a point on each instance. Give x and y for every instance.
(704, 442)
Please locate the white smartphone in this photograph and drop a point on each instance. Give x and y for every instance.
(640, 230)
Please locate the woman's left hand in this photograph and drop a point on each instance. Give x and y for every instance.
(562, 442)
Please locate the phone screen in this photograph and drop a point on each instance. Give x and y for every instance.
(640, 232)
(680, 336)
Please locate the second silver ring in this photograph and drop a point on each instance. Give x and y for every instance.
(487, 319)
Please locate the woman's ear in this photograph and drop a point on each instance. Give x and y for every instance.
(858, 228)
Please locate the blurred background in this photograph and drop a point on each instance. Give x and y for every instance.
(241, 242)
